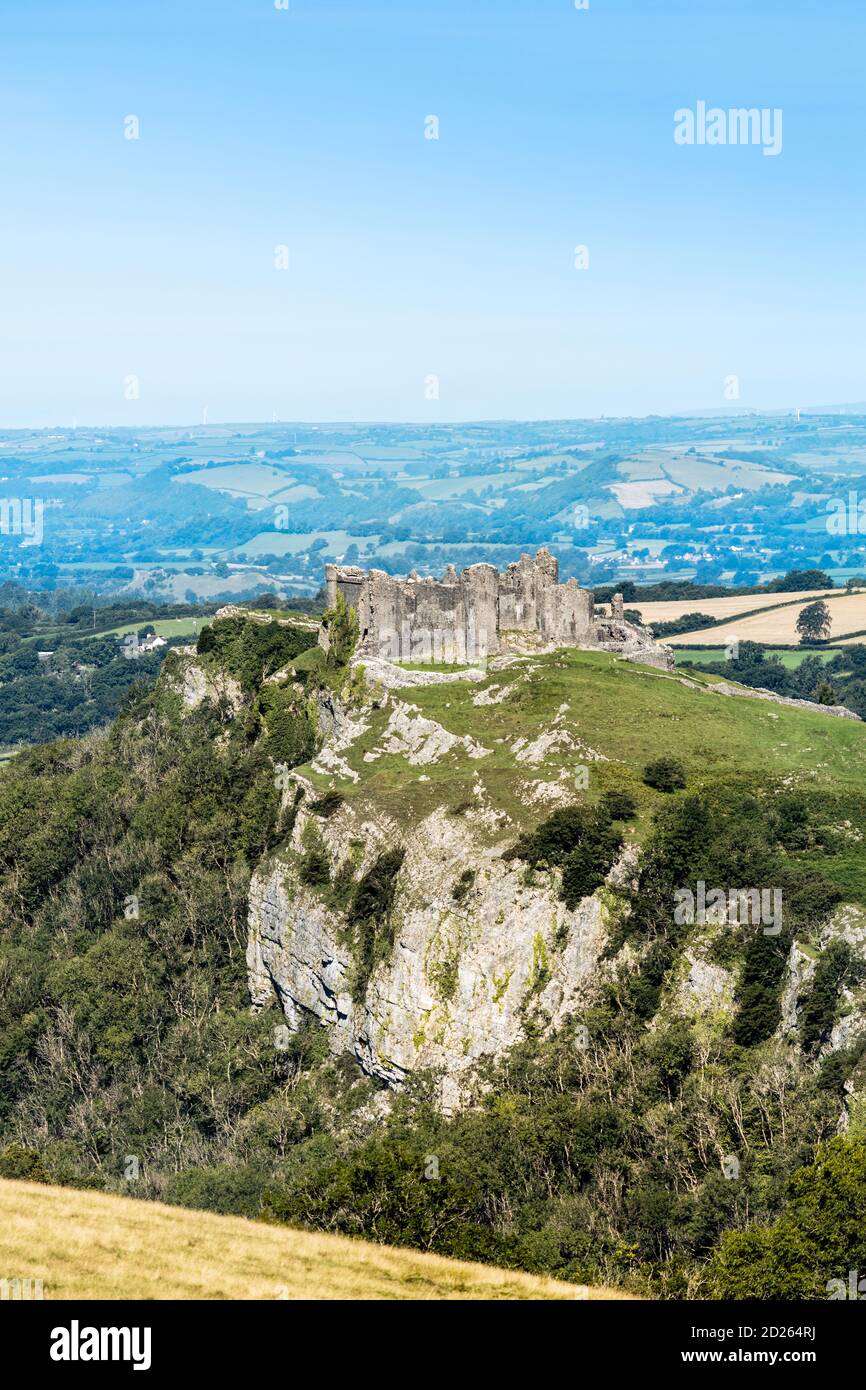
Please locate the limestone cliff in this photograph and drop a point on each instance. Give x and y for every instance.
(479, 948)
(476, 949)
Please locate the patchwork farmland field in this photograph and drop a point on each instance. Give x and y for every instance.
(668, 612)
(847, 611)
(790, 659)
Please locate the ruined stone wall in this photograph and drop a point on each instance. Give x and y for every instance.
(569, 616)
(348, 580)
(462, 617)
(452, 619)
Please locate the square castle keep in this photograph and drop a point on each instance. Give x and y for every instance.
(467, 616)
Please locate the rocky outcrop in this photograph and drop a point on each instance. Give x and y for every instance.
(263, 615)
(632, 643)
(477, 950)
(705, 990)
(421, 740)
(196, 682)
(847, 924)
(389, 676)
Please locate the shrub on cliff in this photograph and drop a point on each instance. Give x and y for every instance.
(578, 838)
(589, 864)
(341, 623)
(618, 805)
(835, 969)
(554, 839)
(250, 650)
(369, 916)
(291, 732)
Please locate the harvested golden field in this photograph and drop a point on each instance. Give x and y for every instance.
(718, 607)
(847, 611)
(88, 1245)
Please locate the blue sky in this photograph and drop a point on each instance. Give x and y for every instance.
(411, 258)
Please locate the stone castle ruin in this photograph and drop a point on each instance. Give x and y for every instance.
(482, 612)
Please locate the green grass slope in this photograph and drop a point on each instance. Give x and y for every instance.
(619, 716)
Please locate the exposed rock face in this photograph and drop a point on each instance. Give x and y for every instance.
(421, 740)
(847, 924)
(464, 972)
(196, 683)
(388, 676)
(705, 988)
(476, 948)
(473, 615)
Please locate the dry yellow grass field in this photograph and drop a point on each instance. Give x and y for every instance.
(848, 614)
(87, 1245)
(718, 607)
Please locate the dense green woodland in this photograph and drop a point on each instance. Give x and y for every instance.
(839, 681)
(126, 1032)
(83, 684)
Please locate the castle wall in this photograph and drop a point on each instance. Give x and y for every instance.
(348, 581)
(571, 618)
(461, 617)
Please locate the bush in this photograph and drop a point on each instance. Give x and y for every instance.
(791, 820)
(819, 1003)
(581, 840)
(230, 1191)
(252, 650)
(665, 775)
(819, 1238)
(587, 867)
(759, 993)
(327, 805)
(22, 1164)
(369, 916)
(689, 622)
(315, 870)
(618, 805)
(463, 885)
(291, 734)
(553, 840)
(341, 624)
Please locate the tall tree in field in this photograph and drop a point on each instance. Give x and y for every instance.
(813, 623)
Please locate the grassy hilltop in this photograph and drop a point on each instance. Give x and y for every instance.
(620, 717)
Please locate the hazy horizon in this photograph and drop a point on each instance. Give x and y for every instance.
(854, 409)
